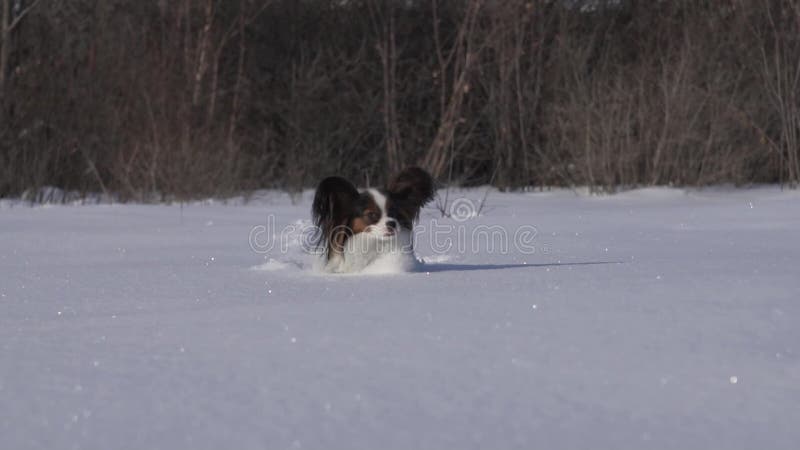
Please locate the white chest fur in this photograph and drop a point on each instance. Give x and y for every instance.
(366, 253)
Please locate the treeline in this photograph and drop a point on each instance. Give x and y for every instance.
(187, 98)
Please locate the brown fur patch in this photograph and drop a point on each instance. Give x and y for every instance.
(358, 225)
(369, 216)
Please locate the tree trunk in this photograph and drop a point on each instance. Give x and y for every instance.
(5, 44)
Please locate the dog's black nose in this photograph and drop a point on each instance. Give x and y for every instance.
(391, 223)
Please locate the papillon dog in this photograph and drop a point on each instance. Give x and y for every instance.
(370, 231)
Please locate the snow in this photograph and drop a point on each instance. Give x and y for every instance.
(657, 318)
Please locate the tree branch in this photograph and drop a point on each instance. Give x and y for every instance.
(21, 16)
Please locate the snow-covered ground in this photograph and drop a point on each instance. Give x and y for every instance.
(655, 318)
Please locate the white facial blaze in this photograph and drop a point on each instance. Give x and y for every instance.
(380, 228)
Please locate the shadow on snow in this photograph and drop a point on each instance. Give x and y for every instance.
(431, 267)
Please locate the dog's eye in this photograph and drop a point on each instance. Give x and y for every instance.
(372, 216)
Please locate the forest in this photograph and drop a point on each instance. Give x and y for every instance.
(150, 100)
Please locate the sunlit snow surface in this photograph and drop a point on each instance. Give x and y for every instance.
(652, 319)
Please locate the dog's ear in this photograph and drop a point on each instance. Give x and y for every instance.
(411, 189)
(333, 204)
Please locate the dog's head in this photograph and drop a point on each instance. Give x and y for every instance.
(341, 211)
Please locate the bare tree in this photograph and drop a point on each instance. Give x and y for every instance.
(383, 16)
(455, 68)
(10, 18)
(160, 99)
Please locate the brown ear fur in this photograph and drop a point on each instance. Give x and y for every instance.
(333, 204)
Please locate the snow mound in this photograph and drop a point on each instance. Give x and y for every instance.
(273, 265)
(437, 259)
